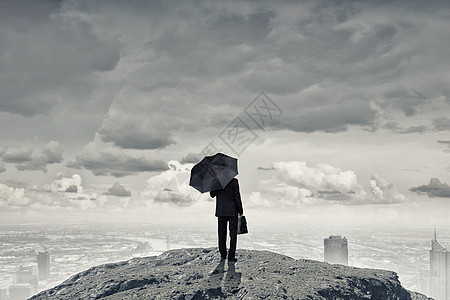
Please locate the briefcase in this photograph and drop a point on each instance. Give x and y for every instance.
(242, 225)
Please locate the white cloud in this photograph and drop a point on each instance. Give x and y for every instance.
(298, 183)
(62, 184)
(321, 177)
(11, 197)
(64, 193)
(256, 199)
(68, 191)
(172, 186)
(164, 191)
(384, 192)
(83, 203)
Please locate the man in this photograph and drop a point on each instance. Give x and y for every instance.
(228, 207)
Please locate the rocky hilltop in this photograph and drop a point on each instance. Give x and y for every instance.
(197, 273)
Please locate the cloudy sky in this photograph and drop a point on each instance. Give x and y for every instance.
(337, 110)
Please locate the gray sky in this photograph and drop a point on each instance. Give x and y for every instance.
(104, 105)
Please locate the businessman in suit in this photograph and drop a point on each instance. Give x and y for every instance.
(228, 207)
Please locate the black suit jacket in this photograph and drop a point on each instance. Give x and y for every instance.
(228, 200)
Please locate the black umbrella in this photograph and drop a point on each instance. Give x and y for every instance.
(213, 172)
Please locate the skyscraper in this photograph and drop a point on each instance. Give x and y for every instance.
(336, 250)
(26, 275)
(3, 294)
(20, 291)
(43, 261)
(439, 271)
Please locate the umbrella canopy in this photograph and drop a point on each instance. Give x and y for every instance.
(213, 172)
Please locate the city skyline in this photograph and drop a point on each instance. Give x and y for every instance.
(77, 247)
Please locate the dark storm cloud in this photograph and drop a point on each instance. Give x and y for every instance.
(27, 159)
(213, 53)
(48, 58)
(265, 168)
(16, 183)
(191, 158)
(434, 189)
(137, 121)
(133, 134)
(32, 165)
(162, 69)
(407, 100)
(106, 159)
(395, 127)
(413, 129)
(441, 124)
(447, 144)
(52, 153)
(332, 118)
(17, 155)
(72, 189)
(117, 166)
(325, 34)
(27, 10)
(118, 190)
(207, 52)
(239, 29)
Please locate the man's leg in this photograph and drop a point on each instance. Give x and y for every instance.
(233, 237)
(222, 222)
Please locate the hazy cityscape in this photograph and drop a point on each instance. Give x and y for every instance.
(334, 117)
(74, 248)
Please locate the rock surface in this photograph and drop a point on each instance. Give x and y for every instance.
(197, 273)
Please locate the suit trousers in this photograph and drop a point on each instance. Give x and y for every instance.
(222, 222)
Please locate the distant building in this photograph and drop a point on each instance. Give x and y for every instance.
(336, 250)
(43, 262)
(439, 271)
(3, 294)
(26, 275)
(20, 291)
(423, 282)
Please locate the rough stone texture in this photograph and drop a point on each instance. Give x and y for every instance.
(197, 273)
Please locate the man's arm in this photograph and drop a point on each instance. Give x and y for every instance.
(237, 199)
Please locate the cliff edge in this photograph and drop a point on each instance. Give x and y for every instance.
(197, 273)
